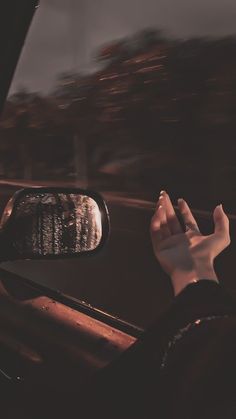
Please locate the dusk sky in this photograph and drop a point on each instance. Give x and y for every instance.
(65, 33)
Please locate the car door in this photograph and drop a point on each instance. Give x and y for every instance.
(45, 336)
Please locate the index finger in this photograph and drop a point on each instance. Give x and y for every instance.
(187, 215)
(155, 228)
(173, 222)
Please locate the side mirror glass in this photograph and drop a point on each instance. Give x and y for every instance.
(54, 222)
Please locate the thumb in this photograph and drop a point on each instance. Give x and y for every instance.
(221, 221)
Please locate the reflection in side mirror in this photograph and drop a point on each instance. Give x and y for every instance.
(54, 222)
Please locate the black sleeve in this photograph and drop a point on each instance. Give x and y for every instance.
(198, 375)
(136, 385)
(201, 299)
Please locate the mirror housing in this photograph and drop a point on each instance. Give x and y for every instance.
(53, 222)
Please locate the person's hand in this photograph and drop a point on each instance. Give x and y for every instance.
(186, 256)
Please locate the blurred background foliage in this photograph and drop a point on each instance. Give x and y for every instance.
(157, 113)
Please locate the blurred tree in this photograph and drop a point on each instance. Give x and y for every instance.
(154, 105)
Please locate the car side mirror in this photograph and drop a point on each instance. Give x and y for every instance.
(53, 223)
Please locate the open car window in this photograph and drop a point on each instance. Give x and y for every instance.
(126, 98)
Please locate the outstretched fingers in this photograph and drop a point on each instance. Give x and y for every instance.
(159, 227)
(165, 222)
(155, 229)
(221, 222)
(165, 230)
(173, 222)
(187, 216)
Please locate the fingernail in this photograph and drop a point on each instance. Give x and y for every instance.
(162, 192)
(180, 200)
(160, 199)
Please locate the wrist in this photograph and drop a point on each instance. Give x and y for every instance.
(181, 278)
